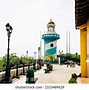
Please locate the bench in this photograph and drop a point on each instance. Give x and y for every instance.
(31, 81)
(47, 70)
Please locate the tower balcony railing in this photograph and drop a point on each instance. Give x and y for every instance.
(45, 36)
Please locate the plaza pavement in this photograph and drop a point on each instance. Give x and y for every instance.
(60, 75)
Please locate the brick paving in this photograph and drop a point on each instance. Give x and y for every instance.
(82, 80)
(60, 75)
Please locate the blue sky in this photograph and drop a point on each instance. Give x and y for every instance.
(29, 17)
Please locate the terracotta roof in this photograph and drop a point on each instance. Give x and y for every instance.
(81, 12)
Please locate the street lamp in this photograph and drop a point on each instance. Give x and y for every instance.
(7, 73)
(60, 54)
(27, 53)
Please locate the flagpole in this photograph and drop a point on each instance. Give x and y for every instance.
(69, 41)
(66, 41)
(40, 43)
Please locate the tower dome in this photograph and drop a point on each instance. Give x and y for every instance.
(51, 24)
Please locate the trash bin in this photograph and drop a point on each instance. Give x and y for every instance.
(29, 76)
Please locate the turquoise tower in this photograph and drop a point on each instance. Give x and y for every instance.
(50, 40)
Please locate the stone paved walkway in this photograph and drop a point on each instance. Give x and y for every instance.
(82, 80)
(59, 75)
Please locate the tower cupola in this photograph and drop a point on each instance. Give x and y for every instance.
(51, 27)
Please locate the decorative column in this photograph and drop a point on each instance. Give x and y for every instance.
(83, 51)
(87, 48)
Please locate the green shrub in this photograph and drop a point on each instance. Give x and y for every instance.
(55, 61)
(72, 81)
(74, 76)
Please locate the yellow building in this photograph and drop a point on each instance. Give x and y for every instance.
(82, 23)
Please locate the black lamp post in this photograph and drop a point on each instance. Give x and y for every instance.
(7, 73)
